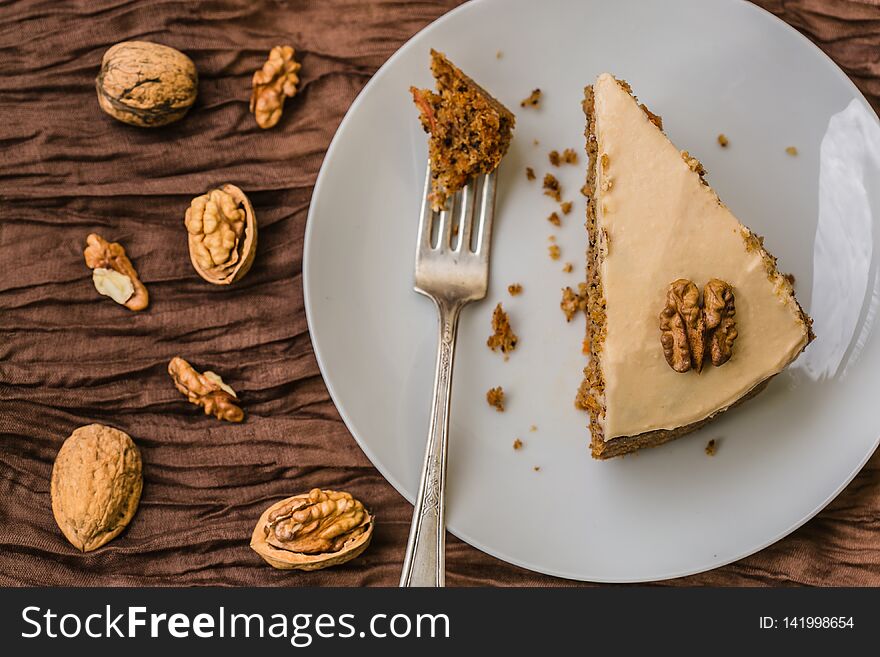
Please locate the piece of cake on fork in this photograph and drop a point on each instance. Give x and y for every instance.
(469, 130)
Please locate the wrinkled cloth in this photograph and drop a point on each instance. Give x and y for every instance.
(68, 357)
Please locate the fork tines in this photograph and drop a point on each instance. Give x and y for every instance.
(465, 224)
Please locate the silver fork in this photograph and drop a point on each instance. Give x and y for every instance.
(453, 270)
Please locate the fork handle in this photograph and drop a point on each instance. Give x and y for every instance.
(425, 561)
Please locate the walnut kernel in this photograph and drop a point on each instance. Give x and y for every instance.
(206, 390)
(314, 530)
(113, 275)
(222, 234)
(273, 83)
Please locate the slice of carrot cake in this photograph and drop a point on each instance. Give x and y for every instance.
(469, 131)
(687, 314)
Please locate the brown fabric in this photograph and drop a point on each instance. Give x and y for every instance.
(67, 358)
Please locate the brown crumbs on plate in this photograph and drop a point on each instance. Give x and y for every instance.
(517, 444)
(791, 150)
(790, 278)
(534, 427)
(499, 54)
(565, 207)
(502, 337)
(533, 99)
(495, 398)
(552, 187)
(585, 191)
(554, 219)
(536, 142)
(514, 289)
(568, 268)
(537, 468)
(573, 302)
(554, 252)
(722, 141)
(553, 156)
(551, 238)
(711, 447)
(569, 156)
(530, 173)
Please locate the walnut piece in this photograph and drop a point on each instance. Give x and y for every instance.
(682, 331)
(718, 311)
(206, 390)
(692, 330)
(96, 485)
(273, 83)
(146, 84)
(102, 255)
(311, 531)
(502, 336)
(222, 234)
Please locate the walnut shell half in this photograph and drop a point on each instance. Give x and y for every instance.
(222, 229)
(96, 485)
(146, 84)
(315, 530)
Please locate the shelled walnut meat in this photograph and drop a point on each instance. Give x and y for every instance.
(146, 84)
(113, 274)
(314, 530)
(207, 390)
(693, 330)
(273, 83)
(96, 485)
(222, 234)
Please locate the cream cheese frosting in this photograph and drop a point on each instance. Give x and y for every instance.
(659, 222)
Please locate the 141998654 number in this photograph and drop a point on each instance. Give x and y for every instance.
(817, 622)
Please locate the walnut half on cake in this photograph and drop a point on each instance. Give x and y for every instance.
(687, 314)
(469, 131)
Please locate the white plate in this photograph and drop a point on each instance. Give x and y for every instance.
(706, 67)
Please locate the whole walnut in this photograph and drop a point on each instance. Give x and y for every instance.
(96, 485)
(146, 84)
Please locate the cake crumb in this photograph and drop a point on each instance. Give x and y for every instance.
(537, 468)
(514, 289)
(517, 444)
(711, 447)
(573, 302)
(585, 347)
(502, 337)
(791, 150)
(455, 230)
(498, 54)
(554, 252)
(554, 219)
(533, 99)
(568, 268)
(534, 427)
(530, 173)
(495, 397)
(536, 142)
(552, 187)
(585, 191)
(790, 278)
(722, 141)
(565, 207)
(553, 156)
(569, 156)
(551, 238)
